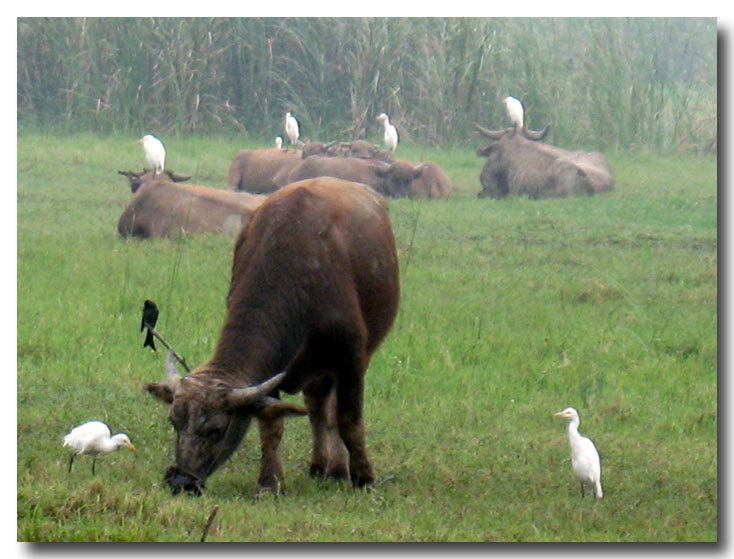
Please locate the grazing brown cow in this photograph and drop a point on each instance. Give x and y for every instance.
(519, 164)
(314, 291)
(391, 179)
(253, 170)
(161, 208)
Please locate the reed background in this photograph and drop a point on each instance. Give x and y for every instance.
(608, 83)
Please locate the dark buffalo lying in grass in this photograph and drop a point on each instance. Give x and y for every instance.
(314, 291)
(391, 179)
(253, 170)
(160, 207)
(518, 164)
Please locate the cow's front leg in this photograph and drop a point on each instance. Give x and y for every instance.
(329, 456)
(271, 466)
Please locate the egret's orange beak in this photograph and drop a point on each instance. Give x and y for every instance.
(131, 447)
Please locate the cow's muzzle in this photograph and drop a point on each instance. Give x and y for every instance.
(179, 479)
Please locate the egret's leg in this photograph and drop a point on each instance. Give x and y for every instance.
(71, 461)
(582, 491)
(94, 460)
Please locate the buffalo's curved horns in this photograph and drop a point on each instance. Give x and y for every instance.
(176, 177)
(173, 377)
(239, 397)
(535, 135)
(492, 134)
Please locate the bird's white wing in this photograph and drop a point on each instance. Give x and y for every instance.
(84, 436)
(585, 460)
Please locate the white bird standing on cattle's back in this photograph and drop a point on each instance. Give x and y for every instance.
(278, 142)
(291, 128)
(515, 111)
(94, 438)
(584, 456)
(391, 134)
(155, 153)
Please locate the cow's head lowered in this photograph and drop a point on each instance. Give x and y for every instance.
(211, 416)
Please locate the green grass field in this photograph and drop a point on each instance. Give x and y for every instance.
(511, 310)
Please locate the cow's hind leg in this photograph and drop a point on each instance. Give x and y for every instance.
(329, 455)
(350, 388)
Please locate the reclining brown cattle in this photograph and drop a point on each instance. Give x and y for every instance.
(160, 207)
(253, 170)
(519, 164)
(432, 182)
(314, 291)
(391, 179)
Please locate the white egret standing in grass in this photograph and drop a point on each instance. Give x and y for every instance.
(515, 111)
(291, 128)
(391, 134)
(155, 153)
(278, 142)
(93, 438)
(584, 456)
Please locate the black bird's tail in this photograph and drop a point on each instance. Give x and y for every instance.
(149, 340)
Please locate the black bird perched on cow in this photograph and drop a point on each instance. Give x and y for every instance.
(150, 317)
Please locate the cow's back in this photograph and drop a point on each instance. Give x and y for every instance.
(162, 208)
(254, 170)
(332, 241)
(345, 168)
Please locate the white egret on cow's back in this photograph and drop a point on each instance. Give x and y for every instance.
(584, 456)
(155, 153)
(391, 133)
(291, 128)
(278, 142)
(515, 111)
(93, 438)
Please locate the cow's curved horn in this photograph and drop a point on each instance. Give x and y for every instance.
(535, 134)
(239, 397)
(491, 134)
(176, 177)
(173, 377)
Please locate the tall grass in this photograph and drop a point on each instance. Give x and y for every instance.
(603, 83)
(510, 310)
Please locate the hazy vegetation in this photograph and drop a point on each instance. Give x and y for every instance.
(511, 310)
(603, 83)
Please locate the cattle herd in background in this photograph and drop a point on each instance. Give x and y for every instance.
(314, 217)
(518, 163)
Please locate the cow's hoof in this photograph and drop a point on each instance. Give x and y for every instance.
(269, 487)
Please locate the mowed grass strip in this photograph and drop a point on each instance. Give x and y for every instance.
(511, 310)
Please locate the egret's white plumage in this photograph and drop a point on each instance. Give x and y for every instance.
(93, 438)
(584, 456)
(155, 153)
(291, 128)
(515, 111)
(278, 142)
(391, 133)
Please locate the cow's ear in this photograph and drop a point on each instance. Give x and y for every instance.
(160, 390)
(270, 409)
